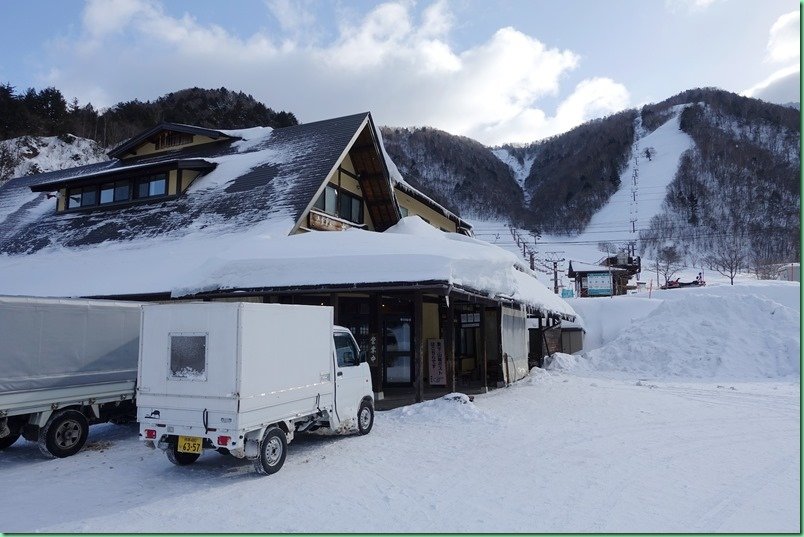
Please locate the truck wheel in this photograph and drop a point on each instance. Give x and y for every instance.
(8, 440)
(365, 418)
(64, 434)
(180, 459)
(273, 449)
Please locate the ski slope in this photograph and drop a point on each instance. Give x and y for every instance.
(612, 223)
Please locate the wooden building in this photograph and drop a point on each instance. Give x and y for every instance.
(189, 213)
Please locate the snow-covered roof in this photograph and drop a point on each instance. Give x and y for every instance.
(230, 230)
(263, 175)
(265, 257)
(578, 266)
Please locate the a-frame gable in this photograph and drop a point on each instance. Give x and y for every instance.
(371, 173)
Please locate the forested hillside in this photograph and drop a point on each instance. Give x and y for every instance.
(47, 113)
(461, 172)
(737, 191)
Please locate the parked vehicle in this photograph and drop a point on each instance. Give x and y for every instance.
(65, 364)
(243, 378)
(678, 284)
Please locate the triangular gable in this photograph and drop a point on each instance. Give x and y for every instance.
(372, 175)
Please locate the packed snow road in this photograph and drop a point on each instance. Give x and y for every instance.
(557, 452)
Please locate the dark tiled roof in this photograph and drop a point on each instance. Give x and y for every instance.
(253, 182)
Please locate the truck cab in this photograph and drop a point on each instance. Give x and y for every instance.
(352, 381)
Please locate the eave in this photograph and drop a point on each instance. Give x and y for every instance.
(124, 172)
(126, 147)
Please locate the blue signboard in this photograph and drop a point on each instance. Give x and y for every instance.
(598, 284)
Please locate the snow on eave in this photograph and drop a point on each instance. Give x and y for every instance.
(410, 252)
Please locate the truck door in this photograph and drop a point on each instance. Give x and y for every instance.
(350, 379)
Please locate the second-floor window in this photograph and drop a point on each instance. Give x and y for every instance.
(341, 203)
(153, 186)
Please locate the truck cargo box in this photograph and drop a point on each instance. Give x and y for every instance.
(61, 343)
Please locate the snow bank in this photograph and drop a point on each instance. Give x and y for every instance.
(605, 318)
(734, 336)
(449, 409)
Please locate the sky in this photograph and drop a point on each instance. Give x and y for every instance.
(510, 71)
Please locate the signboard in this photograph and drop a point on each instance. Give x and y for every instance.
(567, 293)
(598, 283)
(323, 222)
(371, 355)
(438, 372)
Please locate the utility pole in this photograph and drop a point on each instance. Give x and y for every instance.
(555, 260)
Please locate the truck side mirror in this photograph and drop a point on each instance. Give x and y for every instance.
(362, 356)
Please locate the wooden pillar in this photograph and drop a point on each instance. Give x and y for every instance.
(333, 301)
(418, 344)
(449, 345)
(376, 330)
(484, 365)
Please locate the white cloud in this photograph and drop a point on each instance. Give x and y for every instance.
(784, 43)
(784, 46)
(592, 98)
(781, 87)
(391, 61)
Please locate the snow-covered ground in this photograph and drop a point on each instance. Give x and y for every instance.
(588, 445)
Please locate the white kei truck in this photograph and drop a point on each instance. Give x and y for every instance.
(241, 378)
(65, 364)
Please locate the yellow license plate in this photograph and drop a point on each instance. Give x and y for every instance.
(190, 444)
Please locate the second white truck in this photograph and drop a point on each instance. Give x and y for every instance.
(243, 378)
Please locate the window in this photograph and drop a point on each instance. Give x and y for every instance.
(346, 351)
(152, 186)
(172, 139)
(115, 192)
(340, 203)
(82, 197)
(188, 356)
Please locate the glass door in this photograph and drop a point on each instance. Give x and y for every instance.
(398, 330)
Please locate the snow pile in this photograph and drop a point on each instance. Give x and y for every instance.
(449, 409)
(704, 336)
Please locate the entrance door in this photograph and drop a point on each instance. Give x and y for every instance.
(398, 330)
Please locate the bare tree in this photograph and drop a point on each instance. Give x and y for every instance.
(668, 261)
(728, 257)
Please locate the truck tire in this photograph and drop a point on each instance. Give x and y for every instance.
(273, 450)
(365, 418)
(178, 458)
(8, 440)
(64, 434)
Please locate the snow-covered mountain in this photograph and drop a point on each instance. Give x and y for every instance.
(710, 165)
(27, 155)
